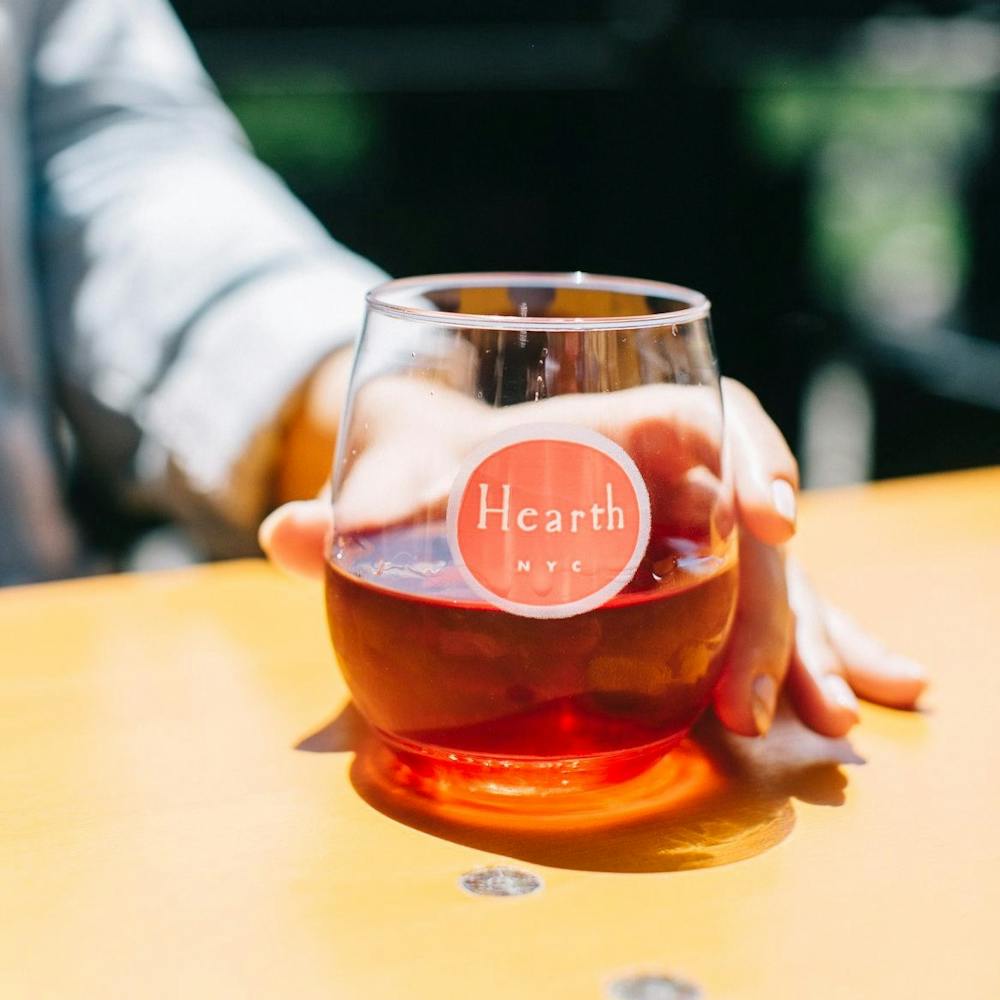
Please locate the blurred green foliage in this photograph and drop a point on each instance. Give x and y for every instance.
(305, 126)
(887, 159)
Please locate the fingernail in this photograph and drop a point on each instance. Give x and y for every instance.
(839, 692)
(906, 669)
(783, 498)
(764, 694)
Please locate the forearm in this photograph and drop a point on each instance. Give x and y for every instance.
(188, 294)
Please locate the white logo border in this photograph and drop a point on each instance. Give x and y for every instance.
(549, 432)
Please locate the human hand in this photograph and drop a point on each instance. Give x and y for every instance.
(784, 635)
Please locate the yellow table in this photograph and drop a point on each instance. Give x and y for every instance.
(181, 819)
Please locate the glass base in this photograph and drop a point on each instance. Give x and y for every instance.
(492, 779)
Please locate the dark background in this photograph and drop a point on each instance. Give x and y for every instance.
(829, 181)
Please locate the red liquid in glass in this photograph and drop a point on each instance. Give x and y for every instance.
(454, 684)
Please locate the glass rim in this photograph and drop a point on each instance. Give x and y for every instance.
(695, 305)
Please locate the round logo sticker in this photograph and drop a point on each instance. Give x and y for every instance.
(548, 520)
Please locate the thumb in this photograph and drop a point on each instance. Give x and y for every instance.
(294, 537)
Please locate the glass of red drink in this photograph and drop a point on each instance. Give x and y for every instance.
(532, 570)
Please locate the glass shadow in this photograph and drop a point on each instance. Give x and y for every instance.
(716, 799)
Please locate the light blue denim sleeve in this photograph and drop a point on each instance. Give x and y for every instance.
(187, 292)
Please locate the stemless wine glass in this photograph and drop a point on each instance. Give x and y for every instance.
(532, 569)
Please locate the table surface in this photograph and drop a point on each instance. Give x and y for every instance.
(189, 809)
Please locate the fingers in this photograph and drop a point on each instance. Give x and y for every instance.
(765, 472)
(666, 429)
(400, 480)
(874, 672)
(405, 448)
(759, 645)
(822, 697)
(294, 537)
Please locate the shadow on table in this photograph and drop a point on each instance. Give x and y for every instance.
(716, 799)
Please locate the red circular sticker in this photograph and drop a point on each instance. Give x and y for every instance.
(548, 520)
